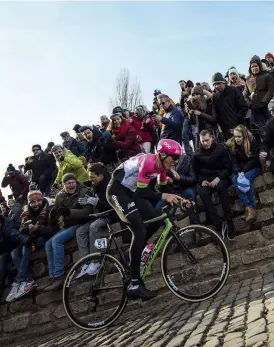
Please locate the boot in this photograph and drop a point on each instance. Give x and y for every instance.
(137, 290)
(251, 215)
(230, 230)
(57, 283)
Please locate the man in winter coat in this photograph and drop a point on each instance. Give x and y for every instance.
(42, 169)
(143, 125)
(229, 107)
(76, 147)
(17, 182)
(172, 121)
(258, 92)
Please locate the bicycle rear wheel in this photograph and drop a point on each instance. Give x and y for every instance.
(94, 302)
(195, 263)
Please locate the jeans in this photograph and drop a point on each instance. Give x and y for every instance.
(248, 198)
(21, 258)
(55, 250)
(3, 269)
(211, 212)
(87, 234)
(186, 136)
(188, 193)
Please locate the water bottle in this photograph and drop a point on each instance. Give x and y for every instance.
(146, 254)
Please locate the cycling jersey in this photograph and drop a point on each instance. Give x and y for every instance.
(140, 170)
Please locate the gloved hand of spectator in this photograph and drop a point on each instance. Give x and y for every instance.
(88, 200)
(63, 211)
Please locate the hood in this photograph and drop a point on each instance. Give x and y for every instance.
(257, 60)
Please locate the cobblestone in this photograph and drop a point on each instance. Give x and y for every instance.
(234, 318)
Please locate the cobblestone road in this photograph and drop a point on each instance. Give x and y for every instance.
(241, 315)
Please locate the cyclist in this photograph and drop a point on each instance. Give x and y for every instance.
(131, 196)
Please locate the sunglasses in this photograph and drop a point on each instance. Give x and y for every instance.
(35, 150)
(174, 157)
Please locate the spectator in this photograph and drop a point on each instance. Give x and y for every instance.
(212, 167)
(17, 182)
(172, 121)
(2, 199)
(258, 92)
(143, 125)
(268, 141)
(76, 147)
(269, 61)
(104, 123)
(68, 163)
(15, 209)
(245, 160)
(155, 104)
(70, 215)
(229, 107)
(10, 238)
(41, 166)
(49, 147)
(234, 79)
(96, 146)
(34, 223)
(89, 232)
(124, 137)
(127, 113)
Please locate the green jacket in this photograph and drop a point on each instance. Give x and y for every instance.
(71, 164)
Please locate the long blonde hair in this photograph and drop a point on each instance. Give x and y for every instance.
(247, 138)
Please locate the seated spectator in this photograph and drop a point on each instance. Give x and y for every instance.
(258, 92)
(245, 161)
(105, 122)
(268, 141)
(89, 232)
(172, 121)
(17, 182)
(34, 224)
(15, 209)
(213, 168)
(10, 238)
(69, 214)
(229, 106)
(124, 138)
(96, 146)
(68, 163)
(143, 125)
(42, 170)
(76, 147)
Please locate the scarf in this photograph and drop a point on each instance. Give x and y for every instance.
(120, 133)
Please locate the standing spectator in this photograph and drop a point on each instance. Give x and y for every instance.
(41, 166)
(267, 145)
(229, 107)
(212, 167)
(172, 121)
(124, 138)
(258, 92)
(143, 125)
(70, 215)
(68, 163)
(234, 79)
(269, 61)
(17, 182)
(245, 161)
(34, 223)
(76, 147)
(155, 104)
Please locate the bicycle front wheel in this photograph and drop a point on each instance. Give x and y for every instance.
(94, 300)
(195, 263)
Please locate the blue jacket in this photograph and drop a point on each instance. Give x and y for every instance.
(10, 238)
(173, 126)
(76, 147)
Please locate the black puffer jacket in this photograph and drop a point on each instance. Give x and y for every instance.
(211, 163)
(268, 137)
(187, 174)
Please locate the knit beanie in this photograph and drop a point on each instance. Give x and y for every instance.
(56, 147)
(37, 146)
(68, 176)
(233, 70)
(11, 168)
(218, 78)
(76, 128)
(197, 90)
(35, 194)
(271, 104)
(269, 55)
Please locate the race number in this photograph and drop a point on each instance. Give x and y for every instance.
(101, 243)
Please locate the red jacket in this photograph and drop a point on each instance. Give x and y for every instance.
(144, 135)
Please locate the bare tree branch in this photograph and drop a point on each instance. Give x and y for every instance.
(127, 94)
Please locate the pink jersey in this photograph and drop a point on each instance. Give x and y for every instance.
(139, 171)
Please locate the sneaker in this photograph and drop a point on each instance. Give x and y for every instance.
(136, 289)
(25, 288)
(12, 294)
(230, 231)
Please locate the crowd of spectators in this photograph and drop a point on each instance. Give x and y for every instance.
(227, 133)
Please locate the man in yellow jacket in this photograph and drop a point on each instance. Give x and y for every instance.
(67, 162)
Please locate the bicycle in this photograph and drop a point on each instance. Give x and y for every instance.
(188, 242)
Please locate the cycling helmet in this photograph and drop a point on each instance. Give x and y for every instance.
(170, 147)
